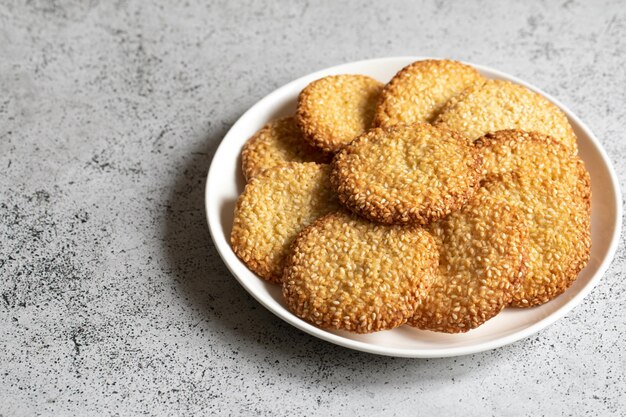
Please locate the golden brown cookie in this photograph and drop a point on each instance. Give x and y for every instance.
(497, 105)
(558, 221)
(418, 92)
(481, 251)
(539, 154)
(406, 174)
(278, 142)
(534, 153)
(335, 109)
(273, 208)
(348, 273)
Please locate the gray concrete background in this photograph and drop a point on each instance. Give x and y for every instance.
(113, 300)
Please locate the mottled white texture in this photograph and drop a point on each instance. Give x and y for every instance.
(112, 297)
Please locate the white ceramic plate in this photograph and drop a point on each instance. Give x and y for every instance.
(225, 182)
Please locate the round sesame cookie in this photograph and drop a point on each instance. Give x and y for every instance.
(558, 221)
(335, 109)
(480, 264)
(406, 173)
(277, 143)
(418, 92)
(347, 273)
(273, 208)
(497, 105)
(534, 154)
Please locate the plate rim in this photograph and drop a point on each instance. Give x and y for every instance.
(300, 324)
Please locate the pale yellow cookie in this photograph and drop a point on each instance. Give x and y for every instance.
(273, 208)
(498, 105)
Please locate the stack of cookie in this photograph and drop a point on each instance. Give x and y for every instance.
(435, 200)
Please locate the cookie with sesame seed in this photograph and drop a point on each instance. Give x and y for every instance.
(481, 251)
(273, 208)
(535, 154)
(498, 105)
(558, 221)
(347, 273)
(335, 109)
(418, 92)
(406, 173)
(278, 142)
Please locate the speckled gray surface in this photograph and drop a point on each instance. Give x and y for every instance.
(113, 299)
